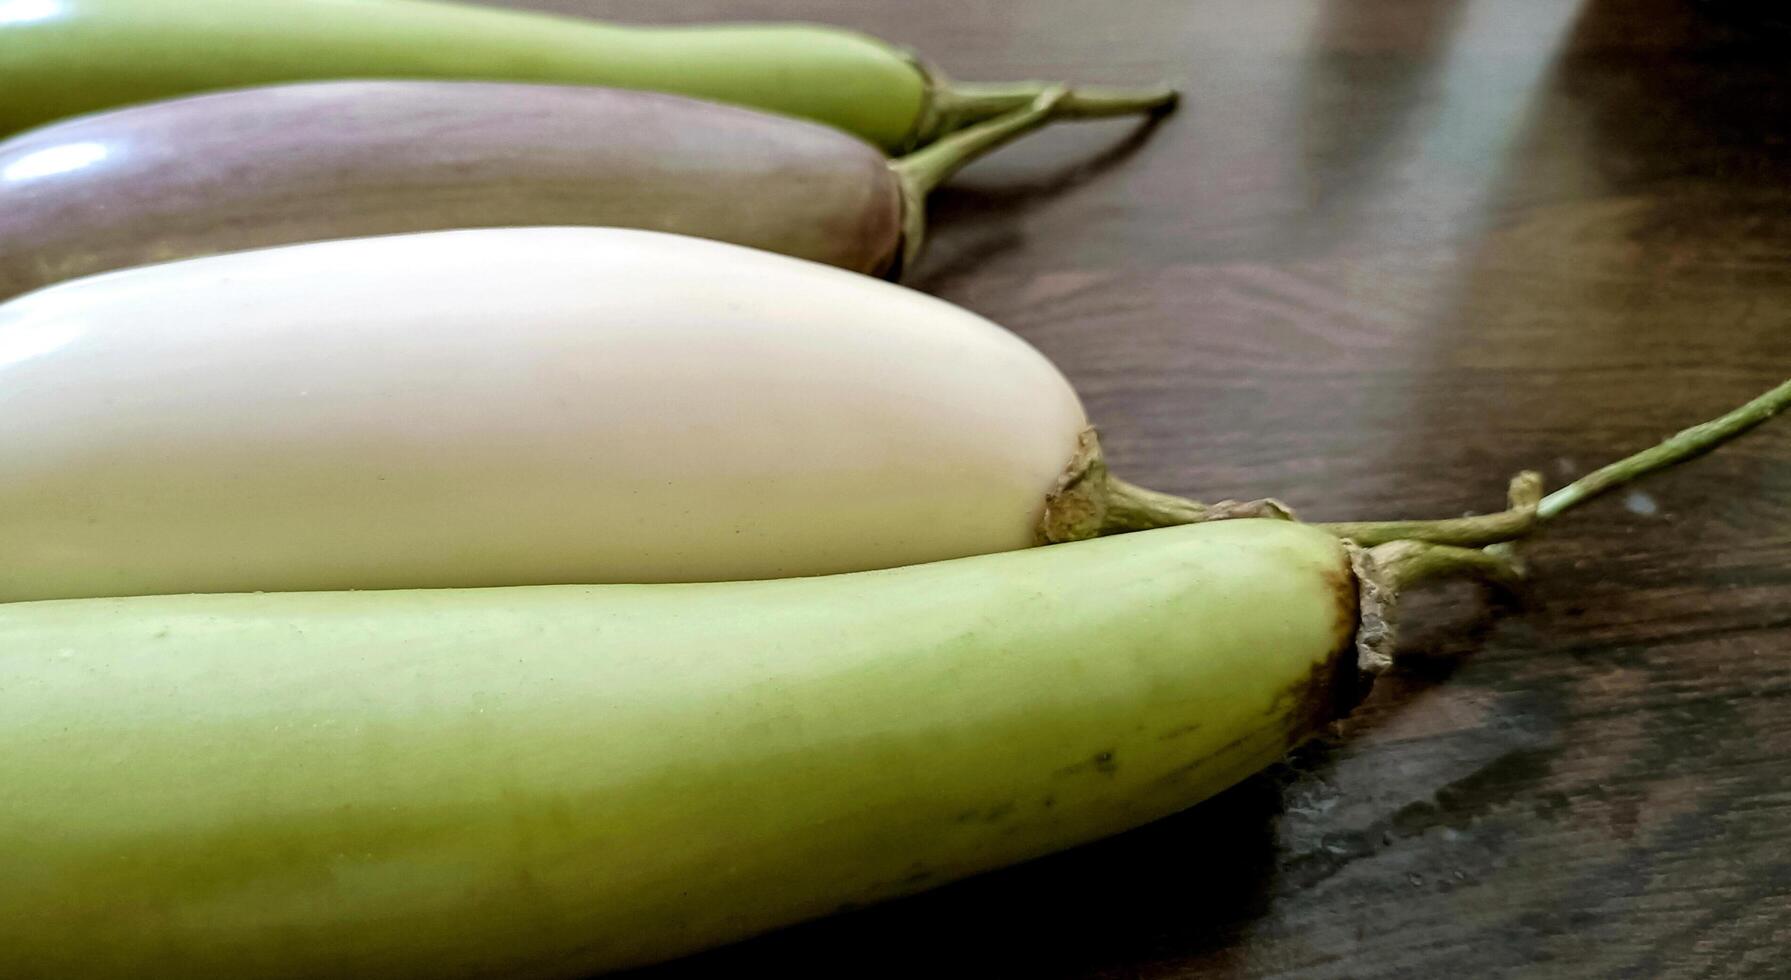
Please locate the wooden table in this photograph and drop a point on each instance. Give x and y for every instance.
(1389, 253)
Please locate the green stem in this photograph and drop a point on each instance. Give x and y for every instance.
(1130, 507)
(925, 169)
(1523, 516)
(960, 104)
(1408, 555)
(1467, 532)
(918, 173)
(949, 106)
(1695, 441)
(1403, 564)
(1091, 501)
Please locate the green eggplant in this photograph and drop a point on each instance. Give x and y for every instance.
(60, 58)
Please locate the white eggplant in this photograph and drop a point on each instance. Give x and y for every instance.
(514, 406)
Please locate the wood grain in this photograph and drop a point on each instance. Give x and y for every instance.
(1390, 252)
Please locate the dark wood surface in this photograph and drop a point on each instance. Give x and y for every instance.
(1389, 253)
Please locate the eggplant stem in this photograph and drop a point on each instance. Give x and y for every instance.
(1131, 507)
(1405, 554)
(920, 172)
(1517, 520)
(1527, 510)
(1091, 501)
(949, 106)
(1695, 441)
(925, 169)
(1404, 564)
(1386, 572)
(960, 104)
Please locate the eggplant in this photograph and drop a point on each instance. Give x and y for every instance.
(61, 58)
(285, 164)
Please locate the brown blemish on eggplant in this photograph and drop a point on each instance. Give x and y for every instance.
(1328, 691)
(991, 815)
(1189, 768)
(918, 872)
(1336, 684)
(1179, 731)
(1050, 801)
(1346, 604)
(918, 875)
(1101, 762)
(1195, 765)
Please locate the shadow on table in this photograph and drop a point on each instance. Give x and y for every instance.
(978, 219)
(1205, 873)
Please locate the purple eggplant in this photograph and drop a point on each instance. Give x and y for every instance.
(270, 166)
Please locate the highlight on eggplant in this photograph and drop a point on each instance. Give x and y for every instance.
(61, 58)
(252, 168)
(546, 782)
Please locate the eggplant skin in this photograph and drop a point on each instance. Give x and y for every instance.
(548, 782)
(257, 167)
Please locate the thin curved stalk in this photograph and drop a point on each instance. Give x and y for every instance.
(1695, 441)
(1404, 564)
(955, 105)
(920, 172)
(1090, 501)
(1523, 516)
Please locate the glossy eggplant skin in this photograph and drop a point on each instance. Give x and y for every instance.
(270, 166)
